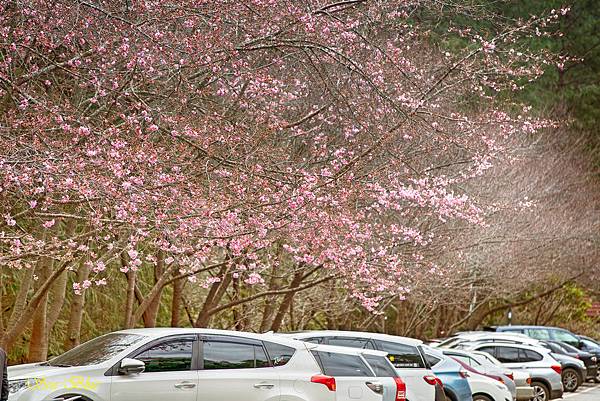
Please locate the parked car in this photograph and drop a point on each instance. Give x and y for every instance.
(544, 369)
(405, 354)
(471, 364)
(192, 364)
(592, 346)
(573, 370)
(486, 387)
(590, 361)
(541, 333)
(451, 374)
(521, 378)
(483, 336)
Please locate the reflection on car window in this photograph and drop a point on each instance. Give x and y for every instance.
(341, 365)
(432, 360)
(402, 355)
(565, 336)
(279, 354)
(507, 354)
(96, 351)
(350, 342)
(539, 334)
(231, 355)
(381, 366)
(172, 356)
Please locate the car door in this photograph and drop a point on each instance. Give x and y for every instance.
(236, 368)
(170, 373)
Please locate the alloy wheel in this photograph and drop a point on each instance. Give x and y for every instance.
(539, 394)
(570, 380)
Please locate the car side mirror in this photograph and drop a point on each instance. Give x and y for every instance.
(131, 366)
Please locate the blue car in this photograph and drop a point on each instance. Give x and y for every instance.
(452, 375)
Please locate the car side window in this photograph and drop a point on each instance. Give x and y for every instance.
(381, 366)
(538, 334)
(527, 355)
(432, 360)
(314, 340)
(402, 355)
(169, 356)
(488, 350)
(565, 336)
(341, 365)
(279, 355)
(350, 342)
(232, 355)
(507, 354)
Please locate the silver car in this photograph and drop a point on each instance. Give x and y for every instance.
(544, 369)
(522, 378)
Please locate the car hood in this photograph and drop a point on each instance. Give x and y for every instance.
(36, 370)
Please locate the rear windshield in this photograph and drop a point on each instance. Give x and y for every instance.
(401, 355)
(381, 366)
(334, 364)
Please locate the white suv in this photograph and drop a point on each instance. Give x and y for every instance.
(405, 354)
(201, 364)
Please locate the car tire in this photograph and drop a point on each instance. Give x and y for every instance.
(481, 397)
(597, 378)
(540, 392)
(570, 380)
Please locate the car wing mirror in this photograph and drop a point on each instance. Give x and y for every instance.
(131, 366)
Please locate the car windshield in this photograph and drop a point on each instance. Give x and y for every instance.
(96, 351)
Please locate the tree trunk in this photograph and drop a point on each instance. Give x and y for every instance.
(287, 301)
(176, 303)
(38, 343)
(73, 337)
(151, 313)
(215, 294)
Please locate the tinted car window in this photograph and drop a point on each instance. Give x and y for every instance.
(279, 354)
(527, 355)
(96, 351)
(507, 354)
(171, 356)
(314, 340)
(469, 361)
(350, 342)
(381, 366)
(538, 334)
(334, 364)
(231, 355)
(432, 360)
(489, 350)
(402, 355)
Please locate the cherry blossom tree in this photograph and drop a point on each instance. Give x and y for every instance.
(212, 141)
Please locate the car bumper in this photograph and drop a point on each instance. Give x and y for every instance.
(524, 393)
(556, 394)
(592, 371)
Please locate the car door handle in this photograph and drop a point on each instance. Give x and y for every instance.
(375, 386)
(185, 385)
(264, 385)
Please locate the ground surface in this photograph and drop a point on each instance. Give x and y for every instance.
(587, 392)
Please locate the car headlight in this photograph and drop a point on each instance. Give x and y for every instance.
(14, 386)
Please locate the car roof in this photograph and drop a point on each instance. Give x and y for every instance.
(524, 346)
(347, 350)
(356, 334)
(525, 326)
(159, 332)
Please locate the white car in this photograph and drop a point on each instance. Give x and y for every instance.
(201, 364)
(405, 354)
(471, 337)
(483, 388)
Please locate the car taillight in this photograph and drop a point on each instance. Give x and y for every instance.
(400, 389)
(327, 381)
(430, 380)
(577, 356)
(439, 381)
(528, 381)
(463, 373)
(511, 376)
(557, 368)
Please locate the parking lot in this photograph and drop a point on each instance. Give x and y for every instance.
(587, 392)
